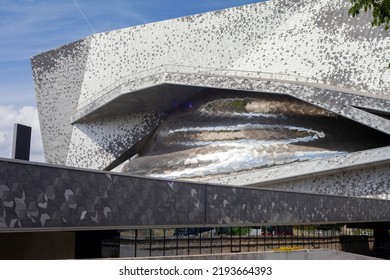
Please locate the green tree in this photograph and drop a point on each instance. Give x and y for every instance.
(380, 10)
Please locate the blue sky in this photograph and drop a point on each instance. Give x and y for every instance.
(28, 27)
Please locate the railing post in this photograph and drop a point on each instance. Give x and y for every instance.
(177, 243)
(135, 243)
(164, 242)
(249, 239)
(221, 243)
(211, 242)
(231, 240)
(239, 241)
(188, 244)
(150, 242)
(200, 243)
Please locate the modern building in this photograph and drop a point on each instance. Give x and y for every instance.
(284, 81)
(280, 109)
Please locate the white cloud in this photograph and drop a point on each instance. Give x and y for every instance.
(27, 115)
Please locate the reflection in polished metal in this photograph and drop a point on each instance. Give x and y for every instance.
(225, 133)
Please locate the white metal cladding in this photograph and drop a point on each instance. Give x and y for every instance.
(309, 49)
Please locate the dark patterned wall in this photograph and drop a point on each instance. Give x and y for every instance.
(46, 197)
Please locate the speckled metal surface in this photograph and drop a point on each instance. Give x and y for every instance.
(309, 169)
(372, 183)
(309, 90)
(305, 41)
(37, 197)
(58, 77)
(94, 144)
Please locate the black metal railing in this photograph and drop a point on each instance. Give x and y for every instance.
(196, 241)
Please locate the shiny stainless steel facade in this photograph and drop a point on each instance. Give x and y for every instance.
(225, 132)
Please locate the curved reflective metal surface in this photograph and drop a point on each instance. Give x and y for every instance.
(229, 133)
